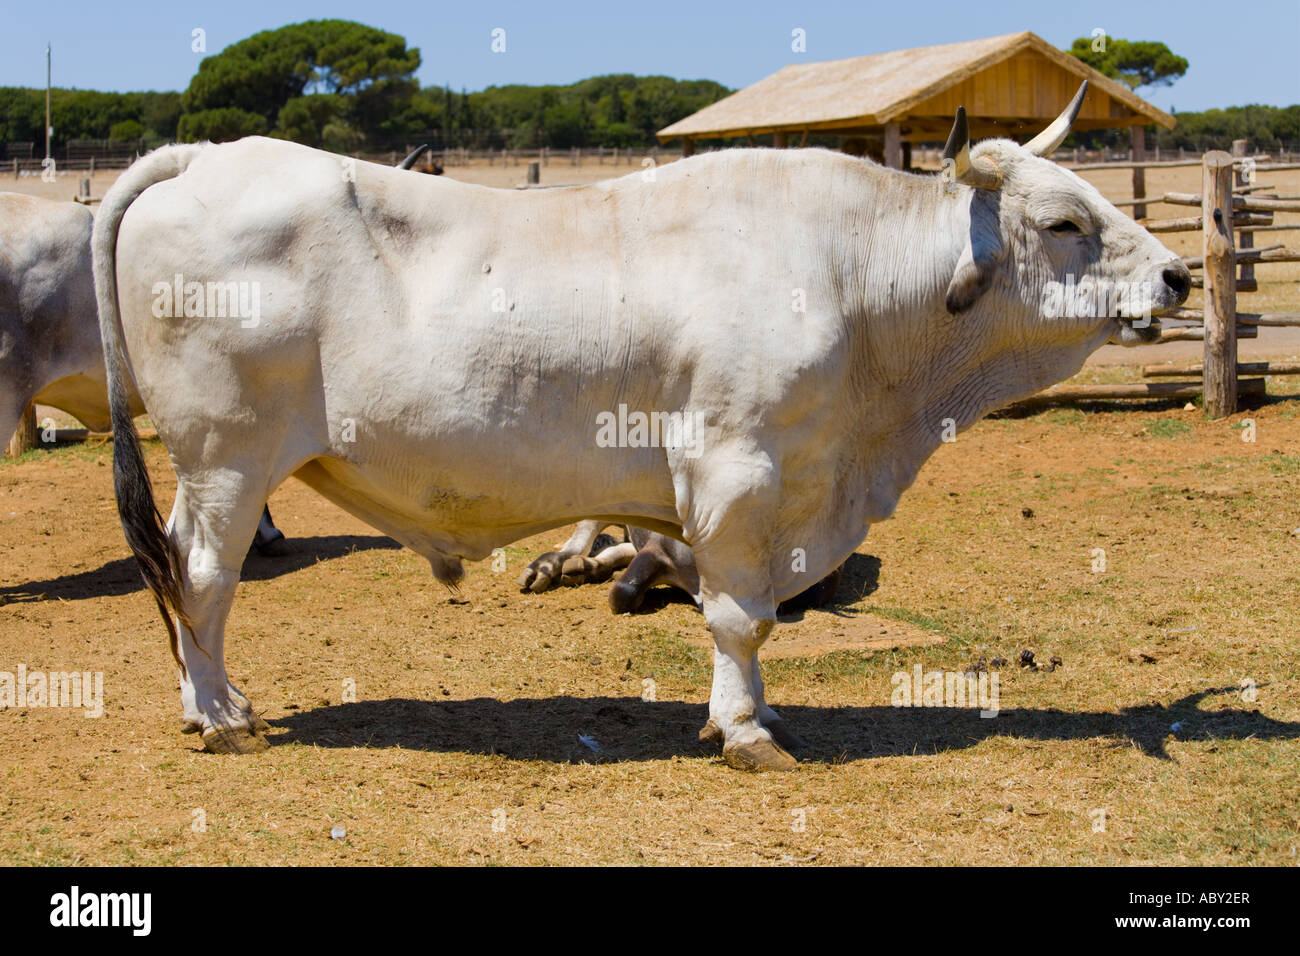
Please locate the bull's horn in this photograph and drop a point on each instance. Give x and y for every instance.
(410, 160)
(1046, 142)
(966, 172)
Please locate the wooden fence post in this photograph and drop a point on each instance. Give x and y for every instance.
(534, 173)
(1220, 376)
(24, 438)
(1138, 138)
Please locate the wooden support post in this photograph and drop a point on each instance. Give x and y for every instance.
(779, 139)
(24, 438)
(893, 146)
(688, 146)
(1138, 136)
(1247, 239)
(1220, 285)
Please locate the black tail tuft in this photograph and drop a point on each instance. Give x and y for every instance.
(142, 523)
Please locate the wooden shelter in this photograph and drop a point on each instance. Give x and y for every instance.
(1014, 84)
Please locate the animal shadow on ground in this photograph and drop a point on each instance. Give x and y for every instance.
(629, 729)
(122, 576)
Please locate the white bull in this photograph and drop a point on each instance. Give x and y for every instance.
(437, 358)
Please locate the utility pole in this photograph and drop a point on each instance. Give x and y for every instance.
(49, 130)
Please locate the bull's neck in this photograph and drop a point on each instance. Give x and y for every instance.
(921, 374)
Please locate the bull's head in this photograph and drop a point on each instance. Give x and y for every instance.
(1046, 240)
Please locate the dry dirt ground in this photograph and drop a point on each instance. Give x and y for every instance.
(1167, 734)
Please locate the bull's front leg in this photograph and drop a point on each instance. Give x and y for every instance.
(769, 718)
(736, 593)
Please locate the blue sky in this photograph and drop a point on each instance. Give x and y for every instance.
(1248, 53)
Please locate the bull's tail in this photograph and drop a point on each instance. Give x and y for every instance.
(146, 532)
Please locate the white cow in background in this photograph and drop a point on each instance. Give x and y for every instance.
(434, 357)
(50, 351)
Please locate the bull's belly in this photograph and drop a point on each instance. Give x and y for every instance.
(463, 500)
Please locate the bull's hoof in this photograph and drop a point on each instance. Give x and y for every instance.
(759, 755)
(783, 735)
(711, 733)
(193, 726)
(234, 740)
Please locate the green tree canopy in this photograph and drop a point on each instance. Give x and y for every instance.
(220, 125)
(260, 75)
(1135, 63)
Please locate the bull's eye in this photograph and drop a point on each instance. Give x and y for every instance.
(1065, 226)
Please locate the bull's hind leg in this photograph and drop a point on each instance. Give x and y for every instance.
(212, 523)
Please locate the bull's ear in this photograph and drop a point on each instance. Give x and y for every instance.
(979, 261)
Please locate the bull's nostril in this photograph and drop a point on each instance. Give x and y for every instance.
(1178, 279)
